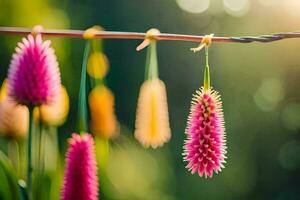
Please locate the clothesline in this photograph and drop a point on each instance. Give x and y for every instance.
(137, 35)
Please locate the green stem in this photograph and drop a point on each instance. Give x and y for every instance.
(29, 154)
(40, 158)
(206, 82)
(82, 106)
(22, 156)
(151, 71)
(56, 180)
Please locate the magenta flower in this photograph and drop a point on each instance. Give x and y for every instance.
(33, 76)
(205, 147)
(80, 179)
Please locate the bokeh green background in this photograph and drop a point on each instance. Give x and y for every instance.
(259, 84)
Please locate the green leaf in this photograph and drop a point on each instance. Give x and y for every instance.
(9, 188)
(82, 105)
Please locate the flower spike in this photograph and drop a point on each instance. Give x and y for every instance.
(33, 76)
(152, 118)
(205, 147)
(80, 180)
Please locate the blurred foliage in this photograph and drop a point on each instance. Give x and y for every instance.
(9, 188)
(133, 173)
(259, 84)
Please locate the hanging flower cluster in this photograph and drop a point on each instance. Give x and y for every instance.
(152, 127)
(101, 99)
(205, 147)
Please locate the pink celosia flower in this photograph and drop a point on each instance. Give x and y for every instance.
(205, 147)
(33, 76)
(80, 180)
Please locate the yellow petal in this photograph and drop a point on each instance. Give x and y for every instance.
(54, 114)
(3, 90)
(14, 119)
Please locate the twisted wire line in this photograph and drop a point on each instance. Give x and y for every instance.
(162, 36)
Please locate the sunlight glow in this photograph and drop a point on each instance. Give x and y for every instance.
(236, 7)
(193, 6)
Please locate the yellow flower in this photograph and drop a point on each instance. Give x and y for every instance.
(14, 118)
(54, 114)
(97, 66)
(103, 119)
(152, 119)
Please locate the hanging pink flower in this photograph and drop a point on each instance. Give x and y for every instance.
(33, 76)
(205, 147)
(80, 179)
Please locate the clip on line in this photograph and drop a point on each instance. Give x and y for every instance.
(205, 42)
(151, 34)
(37, 29)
